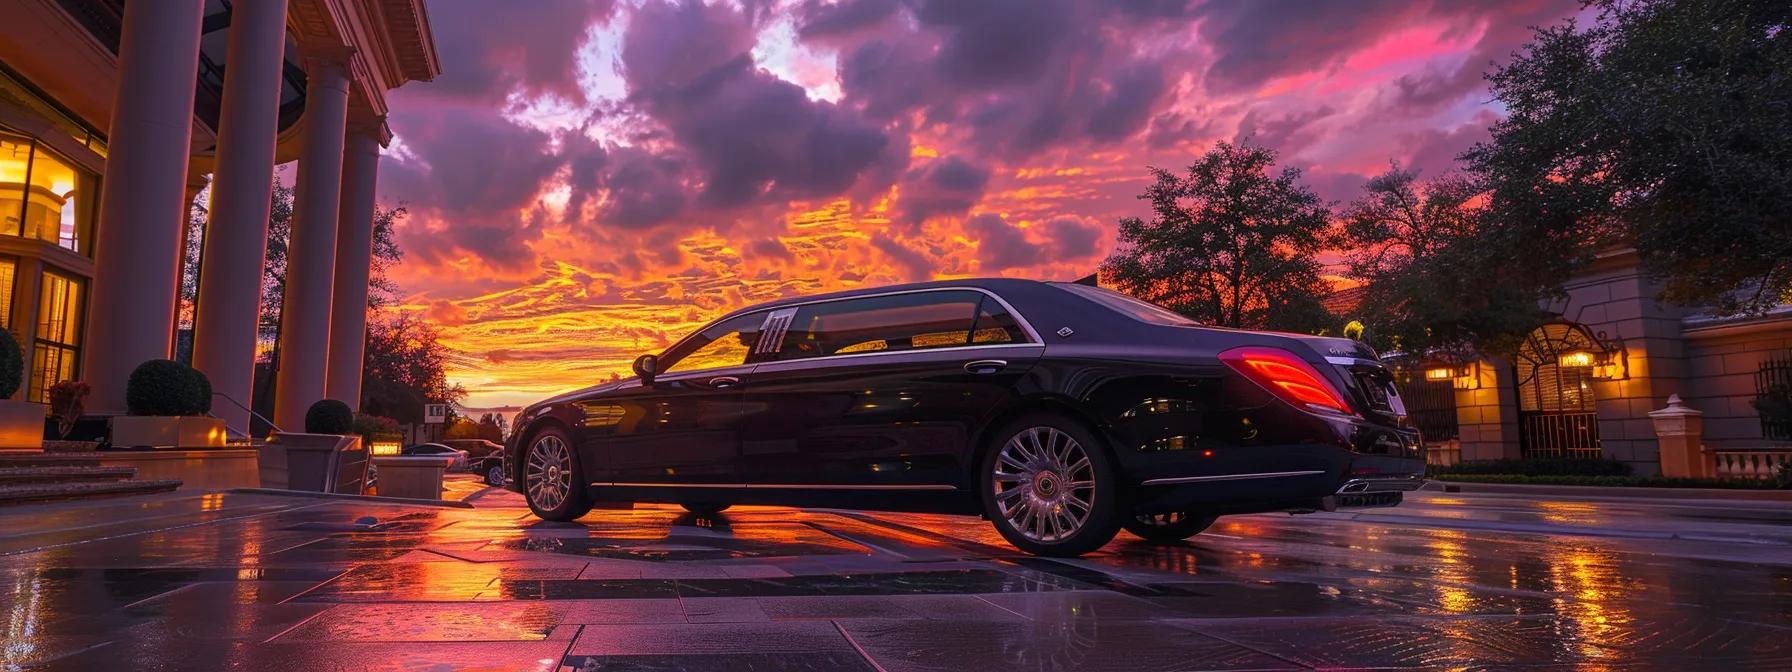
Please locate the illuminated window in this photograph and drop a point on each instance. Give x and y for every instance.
(42, 195)
(58, 347)
(9, 273)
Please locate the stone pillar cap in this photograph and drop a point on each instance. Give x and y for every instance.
(1676, 408)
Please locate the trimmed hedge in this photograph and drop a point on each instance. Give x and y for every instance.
(12, 364)
(167, 387)
(1546, 467)
(1610, 481)
(329, 416)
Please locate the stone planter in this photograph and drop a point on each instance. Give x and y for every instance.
(314, 463)
(167, 431)
(21, 425)
(410, 476)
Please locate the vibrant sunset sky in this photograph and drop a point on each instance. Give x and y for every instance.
(587, 181)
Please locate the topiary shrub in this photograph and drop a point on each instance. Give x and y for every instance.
(329, 416)
(164, 387)
(202, 404)
(12, 364)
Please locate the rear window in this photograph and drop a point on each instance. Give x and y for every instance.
(1140, 310)
(914, 321)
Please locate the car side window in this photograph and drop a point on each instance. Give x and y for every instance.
(995, 325)
(723, 344)
(912, 321)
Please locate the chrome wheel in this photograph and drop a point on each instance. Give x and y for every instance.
(549, 475)
(1044, 484)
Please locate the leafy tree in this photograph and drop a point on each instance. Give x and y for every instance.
(462, 428)
(405, 368)
(1424, 255)
(1664, 125)
(1230, 243)
(491, 427)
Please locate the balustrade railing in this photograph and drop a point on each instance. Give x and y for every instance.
(1751, 464)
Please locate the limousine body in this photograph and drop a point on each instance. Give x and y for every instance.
(1061, 412)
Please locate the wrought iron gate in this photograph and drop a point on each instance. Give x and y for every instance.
(1557, 411)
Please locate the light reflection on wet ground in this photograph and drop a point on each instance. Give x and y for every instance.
(182, 582)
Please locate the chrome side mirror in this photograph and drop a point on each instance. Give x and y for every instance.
(645, 367)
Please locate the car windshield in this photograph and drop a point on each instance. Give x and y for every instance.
(1139, 310)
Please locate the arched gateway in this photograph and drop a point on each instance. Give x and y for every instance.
(1557, 409)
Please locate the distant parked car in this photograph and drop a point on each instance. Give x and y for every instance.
(490, 468)
(476, 448)
(460, 456)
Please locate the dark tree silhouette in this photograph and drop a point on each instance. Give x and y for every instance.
(1230, 243)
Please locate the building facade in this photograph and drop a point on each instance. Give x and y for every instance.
(113, 113)
(1584, 383)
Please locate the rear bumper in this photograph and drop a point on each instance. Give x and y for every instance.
(1307, 478)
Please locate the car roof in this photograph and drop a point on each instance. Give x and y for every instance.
(998, 285)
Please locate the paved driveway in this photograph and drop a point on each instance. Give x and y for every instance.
(222, 581)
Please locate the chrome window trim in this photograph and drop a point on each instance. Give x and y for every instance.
(775, 486)
(1032, 335)
(923, 353)
(1228, 477)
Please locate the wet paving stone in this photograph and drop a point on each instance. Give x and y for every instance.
(824, 661)
(292, 584)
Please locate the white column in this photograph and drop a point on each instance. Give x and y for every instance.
(229, 302)
(354, 259)
(141, 208)
(311, 251)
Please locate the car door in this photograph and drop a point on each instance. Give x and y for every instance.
(683, 428)
(881, 392)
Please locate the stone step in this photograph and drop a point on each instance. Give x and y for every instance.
(51, 492)
(29, 475)
(19, 460)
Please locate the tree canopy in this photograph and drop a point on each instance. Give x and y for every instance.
(1432, 270)
(1665, 125)
(1231, 243)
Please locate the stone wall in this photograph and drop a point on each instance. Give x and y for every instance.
(1723, 361)
(1487, 417)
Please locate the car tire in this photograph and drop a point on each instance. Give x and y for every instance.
(494, 476)
(1167, 527)
(552, 480)
(705, 508)
(1050, 464)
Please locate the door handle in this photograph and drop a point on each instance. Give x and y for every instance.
(985, 366)
(724, 382)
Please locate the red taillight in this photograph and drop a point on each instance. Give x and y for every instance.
(1287, 377)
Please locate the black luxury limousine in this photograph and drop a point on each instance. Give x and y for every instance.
(1061, 412)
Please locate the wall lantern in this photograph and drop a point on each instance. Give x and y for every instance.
(1576, 359)
(1461, 376)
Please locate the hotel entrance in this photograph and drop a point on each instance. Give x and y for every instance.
(1557, 408)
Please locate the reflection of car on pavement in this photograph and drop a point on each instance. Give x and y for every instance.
(1061, 412)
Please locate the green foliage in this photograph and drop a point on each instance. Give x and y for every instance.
(370, 426)
(167, 387)
(329, 416)
(1539, 467)
(1230, 243)
(12, 364)
(1663, 125)
(1783, 476)
(405, 368)
(1612, 481)
(1433, 270)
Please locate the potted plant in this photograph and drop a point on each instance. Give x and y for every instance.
(68, 403)
(21, 422)
(169, 402)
